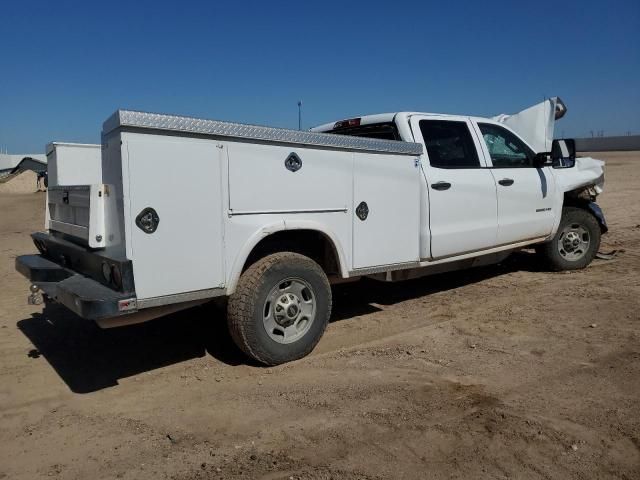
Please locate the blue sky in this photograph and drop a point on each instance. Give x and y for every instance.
(66, 66)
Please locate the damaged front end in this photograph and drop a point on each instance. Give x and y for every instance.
(582, 184)
(581, 179)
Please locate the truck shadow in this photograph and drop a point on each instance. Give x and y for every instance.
(88, 358)
(358, 298)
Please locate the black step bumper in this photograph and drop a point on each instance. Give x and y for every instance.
(82, 295)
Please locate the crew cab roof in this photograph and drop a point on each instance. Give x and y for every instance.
(535, 125)
(386, 118)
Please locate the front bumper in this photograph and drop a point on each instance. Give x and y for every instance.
(82, 295)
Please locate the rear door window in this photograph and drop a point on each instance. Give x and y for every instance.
(449, 144)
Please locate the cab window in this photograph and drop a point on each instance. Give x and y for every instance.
(381, 131)
(449, 144)
(506, 150)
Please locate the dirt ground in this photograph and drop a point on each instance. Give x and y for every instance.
(501, 372)
(25, 182)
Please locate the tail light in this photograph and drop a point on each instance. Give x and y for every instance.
(106, 271)
(40, 245)
(116, 276)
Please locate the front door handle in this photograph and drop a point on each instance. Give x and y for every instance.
(441, 186)
(506, 182)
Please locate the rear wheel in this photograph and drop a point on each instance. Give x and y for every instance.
(280, 308)
(576, 242)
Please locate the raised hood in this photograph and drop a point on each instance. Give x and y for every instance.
(536, 124)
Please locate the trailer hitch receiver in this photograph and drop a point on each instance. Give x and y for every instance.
(35, 297)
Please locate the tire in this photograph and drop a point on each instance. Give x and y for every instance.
(576, 242)
(280, 309)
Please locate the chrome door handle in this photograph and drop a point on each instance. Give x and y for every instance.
(441, 186)
(506, 182)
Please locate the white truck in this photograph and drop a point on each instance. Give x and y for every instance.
(189, 210)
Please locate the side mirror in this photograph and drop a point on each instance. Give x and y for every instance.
(563, 153)
(542, 159)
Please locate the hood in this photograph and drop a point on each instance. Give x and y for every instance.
(536, 124)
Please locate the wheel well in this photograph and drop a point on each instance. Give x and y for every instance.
(574, 199)
(311, 243)
(577, 199)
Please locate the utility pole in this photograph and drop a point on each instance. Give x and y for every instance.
(299, 114)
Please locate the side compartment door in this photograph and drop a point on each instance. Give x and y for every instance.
(386, 210)
(525, 194)
(180, 179)
(462, 192)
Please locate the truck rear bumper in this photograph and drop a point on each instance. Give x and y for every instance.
(82, 295)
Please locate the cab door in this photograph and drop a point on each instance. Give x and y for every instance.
(461, 191)
(525, 193)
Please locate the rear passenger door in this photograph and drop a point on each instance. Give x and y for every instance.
(462, 194)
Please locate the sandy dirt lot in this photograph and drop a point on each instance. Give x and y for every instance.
(501, 372)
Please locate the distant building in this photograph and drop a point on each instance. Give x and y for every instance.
(12, 165)
(608, 144)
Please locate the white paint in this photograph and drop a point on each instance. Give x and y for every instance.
(390, 186)
(259, 181)
(73, 164)
(185, 252)
(244, 232)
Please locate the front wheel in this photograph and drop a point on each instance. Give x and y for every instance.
(280, 308)
(576, 242)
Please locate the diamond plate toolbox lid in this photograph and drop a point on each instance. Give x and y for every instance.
(130, 119)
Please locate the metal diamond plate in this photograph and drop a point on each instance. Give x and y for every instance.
(215, 128)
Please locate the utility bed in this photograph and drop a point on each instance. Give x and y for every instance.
(183, 202)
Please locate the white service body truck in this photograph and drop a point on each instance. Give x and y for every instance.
(189, 210)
